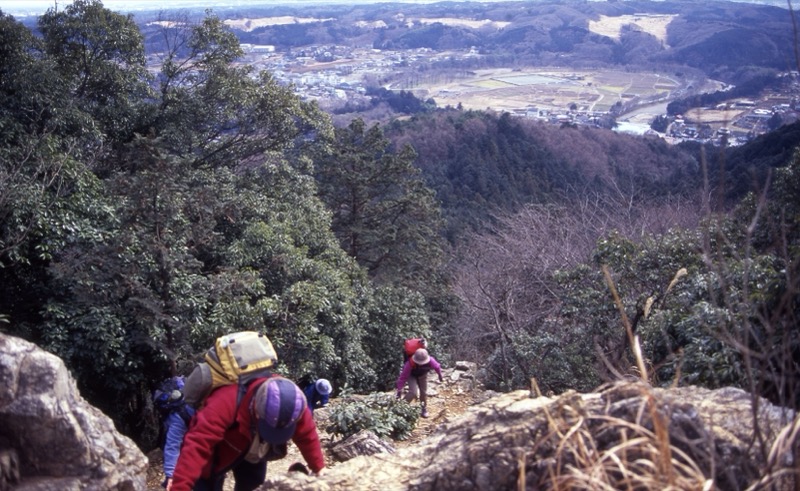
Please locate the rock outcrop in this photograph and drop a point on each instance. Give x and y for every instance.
(627, 435)
(364, 442)
(52, 438)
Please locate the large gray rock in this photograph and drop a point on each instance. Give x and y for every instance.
(364, 442)
(625, 435)
(59, 440)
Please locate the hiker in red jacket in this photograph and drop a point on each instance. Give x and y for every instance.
(415, 371)
(223, 436)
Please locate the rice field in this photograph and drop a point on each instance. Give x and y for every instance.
(550, 89)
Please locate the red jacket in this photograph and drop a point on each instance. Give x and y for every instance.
(213, 437)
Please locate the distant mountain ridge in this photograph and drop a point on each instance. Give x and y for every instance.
(723, 39)
(726, 40)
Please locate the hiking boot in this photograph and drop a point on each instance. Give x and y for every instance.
(424, 412)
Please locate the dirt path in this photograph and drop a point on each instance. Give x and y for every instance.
(445, 402)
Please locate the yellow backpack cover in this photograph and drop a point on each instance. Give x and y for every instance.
(235, 358)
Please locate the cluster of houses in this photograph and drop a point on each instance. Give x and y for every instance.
(337, 72)
(751, 118)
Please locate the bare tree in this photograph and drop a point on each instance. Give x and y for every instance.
(506, 281)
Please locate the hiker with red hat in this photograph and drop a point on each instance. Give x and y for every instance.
(226, 435)
(415, 372)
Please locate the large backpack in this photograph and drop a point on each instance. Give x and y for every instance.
(237, 358)
(169, 395)
(411, 345)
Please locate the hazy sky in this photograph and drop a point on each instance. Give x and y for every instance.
(38, 7)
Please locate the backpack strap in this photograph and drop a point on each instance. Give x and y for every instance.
(241, 392)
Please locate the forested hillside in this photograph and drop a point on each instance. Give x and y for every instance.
(143, 214)
(484, 164)
(141, 217)
(741, 170)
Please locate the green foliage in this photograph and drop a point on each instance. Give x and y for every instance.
(100, 57)
(203, 252)
(401, 102)
(700, 332)
(47, 199)
(660, 123)
(779, 220)
(383, 213)
(558, 360)
(382, 414)
(207, 225)
(139, 285)
(690, 295)
(310, 306)
(395, 314)
(47, 192)
(384, 216)
(220, 113)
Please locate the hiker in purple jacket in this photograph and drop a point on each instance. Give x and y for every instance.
(415, 371)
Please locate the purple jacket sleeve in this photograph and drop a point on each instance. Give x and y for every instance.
(404, 374)
(436, 366)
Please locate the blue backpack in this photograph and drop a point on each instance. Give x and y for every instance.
(167, 399)
(169, 395)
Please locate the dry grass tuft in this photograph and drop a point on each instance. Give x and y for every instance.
(633, 439)
(626, 447)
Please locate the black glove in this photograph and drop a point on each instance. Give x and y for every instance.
(299, 467)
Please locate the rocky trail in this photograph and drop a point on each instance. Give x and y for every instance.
(446, 401)
(621, 434)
